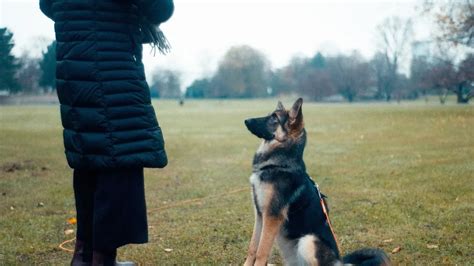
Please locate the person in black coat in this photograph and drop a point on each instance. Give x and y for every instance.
(110, 129)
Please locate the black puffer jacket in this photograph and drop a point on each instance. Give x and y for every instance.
(106, 110)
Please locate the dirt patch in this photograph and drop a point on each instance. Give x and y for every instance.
(11, 167)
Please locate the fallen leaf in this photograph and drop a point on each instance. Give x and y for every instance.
(431, 246)
(168, 249)
(446, 260)
(68, 231)
(40, 204)
(72, 220)
(12, 208)
(396, 250)
(390, 240)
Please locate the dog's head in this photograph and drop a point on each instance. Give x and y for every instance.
(281, 125)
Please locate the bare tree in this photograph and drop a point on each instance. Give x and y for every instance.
(28, 74)
(455, 20)
(420, 75)
(463, 81)
(281, 81)
(306, 76)
(244, 72)
(394, 35)
(200, 88)
(380, 70)
(317, 83)
(48, 67)
(166, 83)
(404, 89)
(350, 74)
(443, 76)
(287, 80)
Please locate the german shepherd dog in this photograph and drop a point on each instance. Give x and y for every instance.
(288, 206)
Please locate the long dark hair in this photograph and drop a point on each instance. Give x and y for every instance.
(149, 27)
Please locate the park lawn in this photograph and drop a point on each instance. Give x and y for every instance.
(397, 175)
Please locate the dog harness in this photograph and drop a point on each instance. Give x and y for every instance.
(325, 211)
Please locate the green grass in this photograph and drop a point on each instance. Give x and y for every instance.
(401, 172)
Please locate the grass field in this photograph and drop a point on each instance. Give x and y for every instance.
(396, 176)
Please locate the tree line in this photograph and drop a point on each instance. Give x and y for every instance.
(245, 72)
(323, 78)
(26, 74)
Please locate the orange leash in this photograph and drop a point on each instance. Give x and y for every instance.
(170, 206)
(329, 223)
(197, 200)
(61, 246)
(323, 205)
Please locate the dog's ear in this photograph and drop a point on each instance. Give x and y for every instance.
(296, 114)
(280, 106)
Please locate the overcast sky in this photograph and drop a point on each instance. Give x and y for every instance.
(201, 31)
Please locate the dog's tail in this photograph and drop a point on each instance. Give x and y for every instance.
(367, 257)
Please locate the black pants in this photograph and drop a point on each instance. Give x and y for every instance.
(111, 209)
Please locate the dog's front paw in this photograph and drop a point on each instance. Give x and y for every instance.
(260, 263)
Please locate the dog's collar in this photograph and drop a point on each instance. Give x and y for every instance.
(272, 166)
(274, 138)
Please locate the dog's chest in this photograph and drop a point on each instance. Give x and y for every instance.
(260, 191)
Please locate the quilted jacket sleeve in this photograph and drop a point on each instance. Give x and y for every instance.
(157, 11)
(45, 6)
